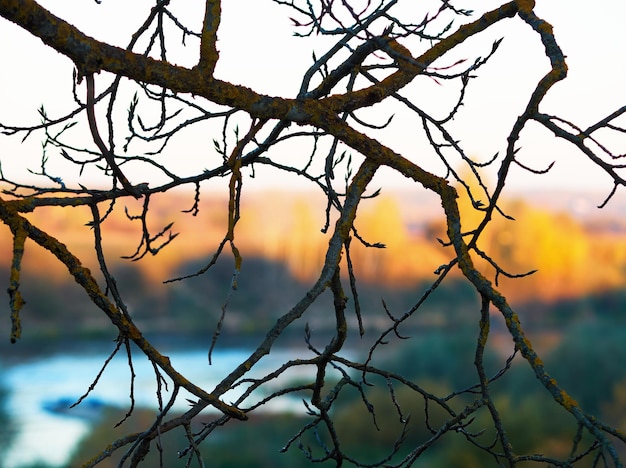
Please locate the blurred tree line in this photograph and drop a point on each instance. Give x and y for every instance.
(578, 269)
(439, 360)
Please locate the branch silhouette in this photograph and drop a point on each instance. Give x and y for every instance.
(377, 60)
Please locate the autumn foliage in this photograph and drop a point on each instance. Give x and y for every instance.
(571, 259)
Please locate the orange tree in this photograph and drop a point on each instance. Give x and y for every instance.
(376, 54)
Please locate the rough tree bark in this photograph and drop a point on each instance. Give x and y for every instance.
(362, 69)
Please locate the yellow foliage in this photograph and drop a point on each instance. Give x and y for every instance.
(570, 260)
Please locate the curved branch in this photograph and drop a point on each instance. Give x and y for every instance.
(93, 127)
(85, 279)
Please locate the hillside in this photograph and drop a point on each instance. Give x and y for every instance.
(574, 254)
(283, 248)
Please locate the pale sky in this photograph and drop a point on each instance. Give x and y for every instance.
(257, 49)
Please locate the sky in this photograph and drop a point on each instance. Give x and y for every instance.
(257, 49)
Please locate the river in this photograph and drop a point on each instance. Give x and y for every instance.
(44, 430)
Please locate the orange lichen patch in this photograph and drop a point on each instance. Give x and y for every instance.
(208, 45)
(525, 5)
(484, 333)
(533, 358)
(567, 401)
(559, 395)
(545, 28)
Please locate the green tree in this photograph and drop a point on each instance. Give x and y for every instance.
(371, 60)
(599, 351)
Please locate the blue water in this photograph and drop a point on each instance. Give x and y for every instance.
(34, 387)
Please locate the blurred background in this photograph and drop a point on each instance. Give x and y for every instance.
(573, 308)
